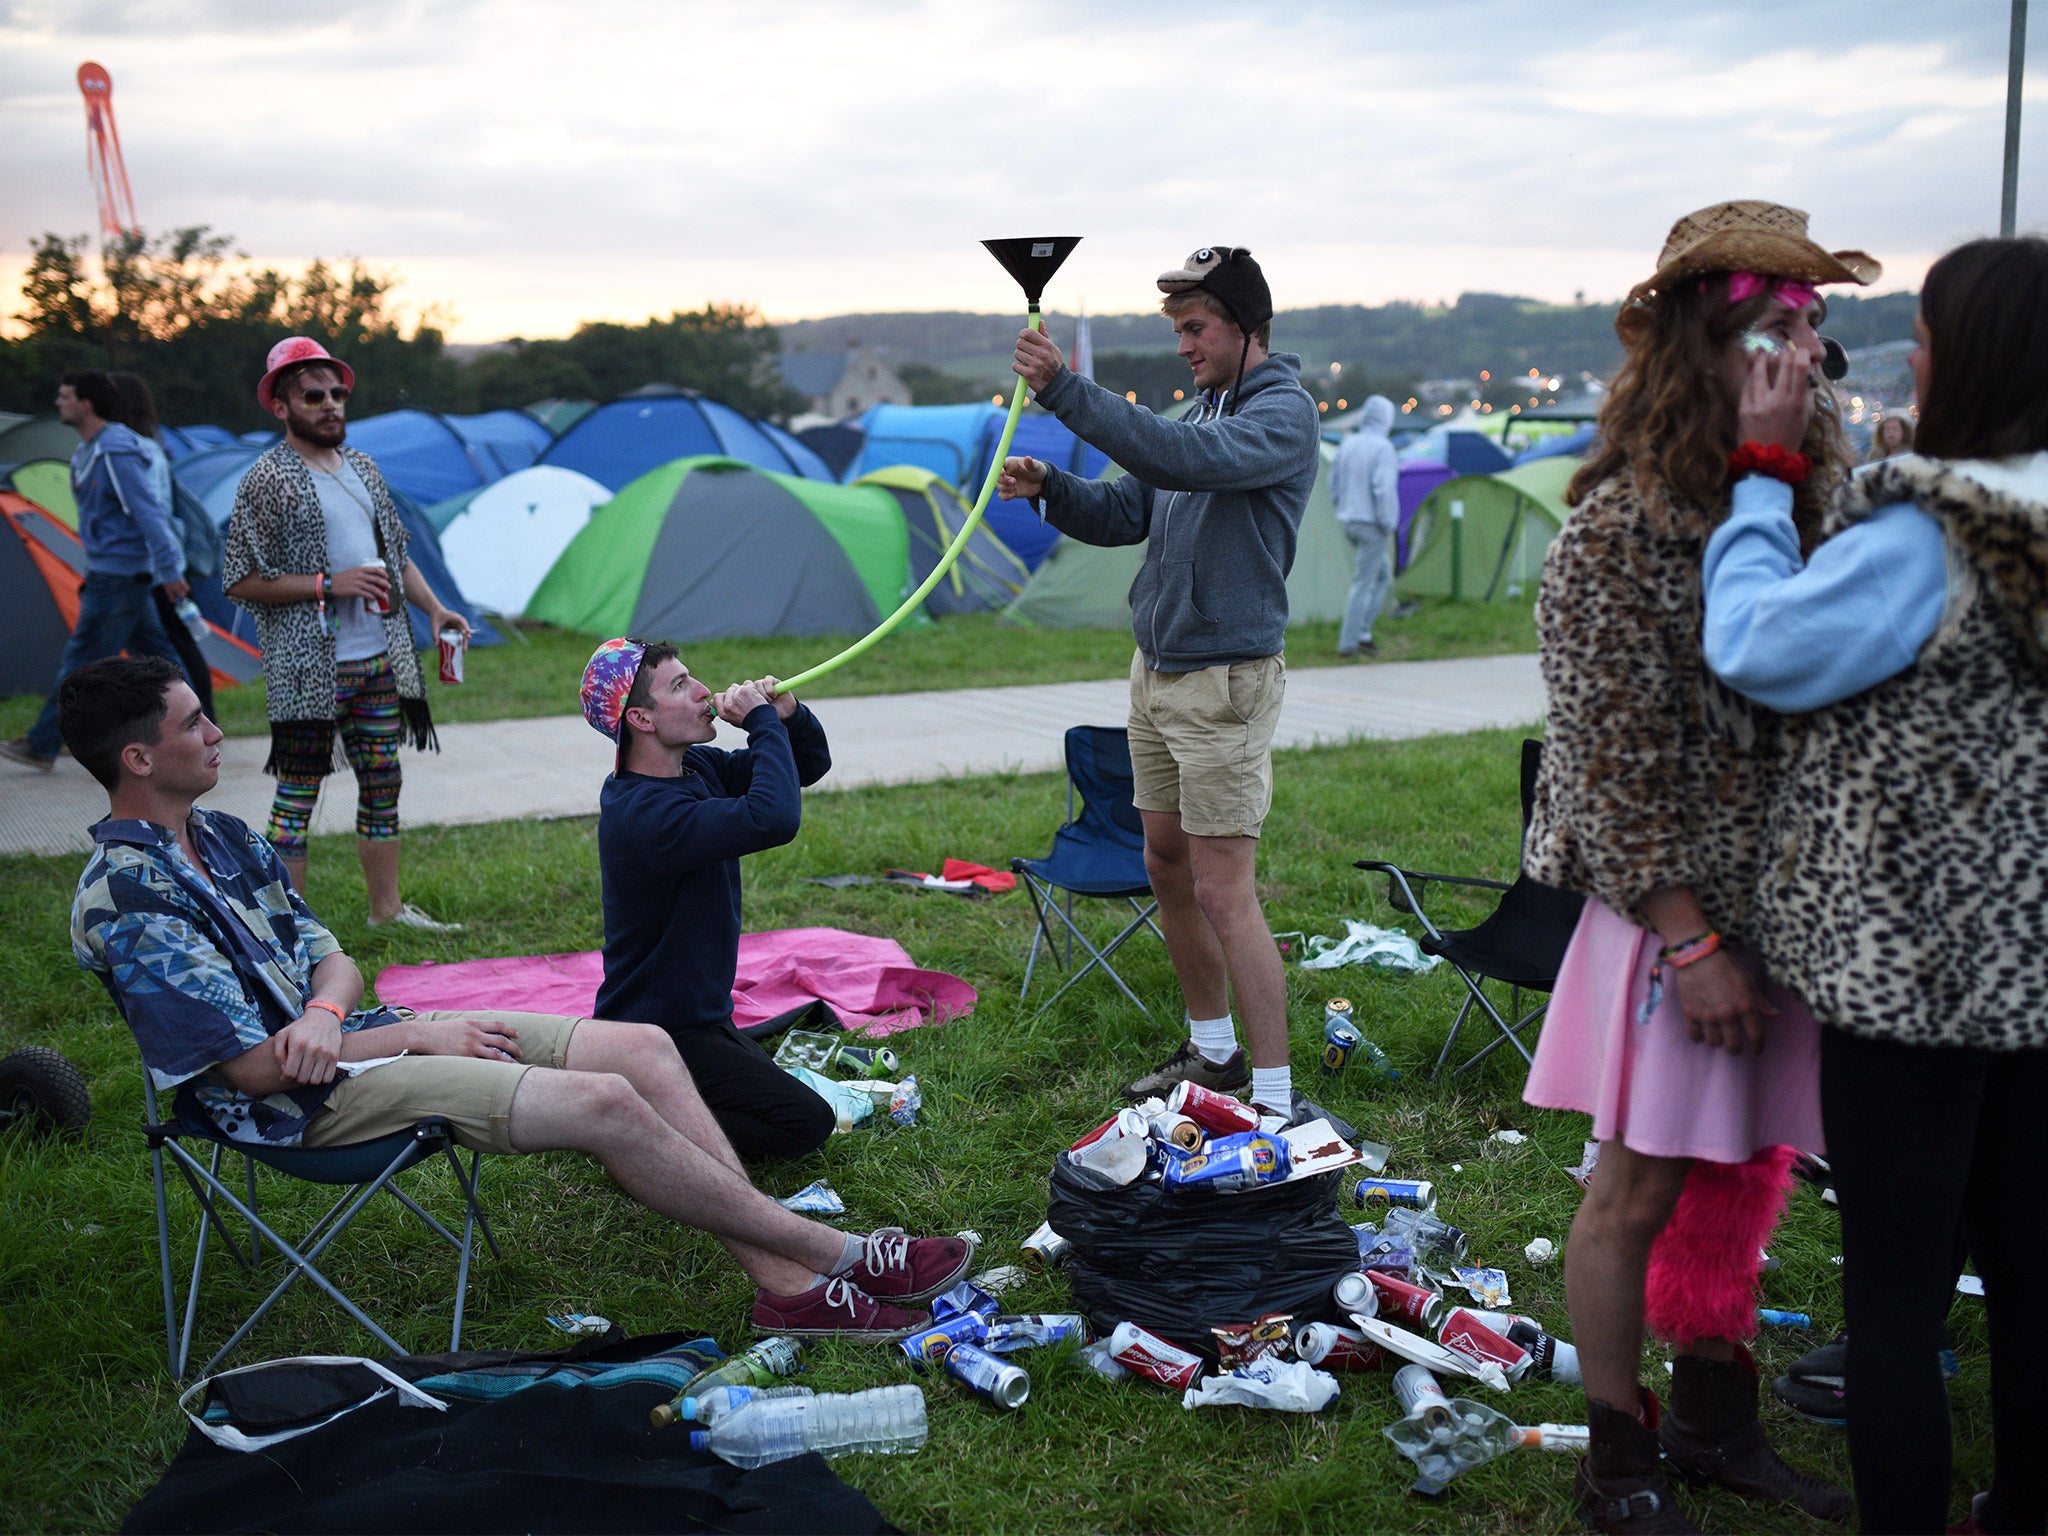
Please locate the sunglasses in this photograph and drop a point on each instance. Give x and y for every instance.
(338, 394)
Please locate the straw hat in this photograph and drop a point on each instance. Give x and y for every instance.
(1743, 236)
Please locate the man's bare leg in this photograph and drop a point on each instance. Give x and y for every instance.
(605, 1115)
(1199, 964)
(379, 857)
(1224, 870)
(296, 868)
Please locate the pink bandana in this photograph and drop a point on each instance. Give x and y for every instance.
(1789, 292)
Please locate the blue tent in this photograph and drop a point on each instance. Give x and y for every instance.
(944, 439)
(183, 442)
(504, 441)
(422, 454)
(1579, 444)
(1041, 437)
(212, 475)
(617, 443)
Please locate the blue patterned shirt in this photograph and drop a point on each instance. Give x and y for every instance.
(204, 970)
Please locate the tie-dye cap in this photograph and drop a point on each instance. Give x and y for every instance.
(606, 682)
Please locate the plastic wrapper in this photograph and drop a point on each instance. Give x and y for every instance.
(1290, 1386)
(1488, 1287)
(1244, 1343)
(905, 1102)
(849, 1105)
(1102, 1360)
(815, 1199)
(1004, 1277)
(578, 1322)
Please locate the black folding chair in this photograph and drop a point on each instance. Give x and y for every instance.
(1099, 855)
(365, 1168)
(1520, 945)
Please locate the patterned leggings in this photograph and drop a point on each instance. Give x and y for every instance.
(366, 711)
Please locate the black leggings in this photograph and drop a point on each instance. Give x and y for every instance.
(1923, 1140)
(763, 1111)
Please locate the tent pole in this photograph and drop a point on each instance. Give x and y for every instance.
(2015, 72)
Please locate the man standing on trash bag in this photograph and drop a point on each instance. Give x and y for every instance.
(673, 824)
(1217, 499)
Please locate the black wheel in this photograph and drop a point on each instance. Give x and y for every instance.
(41, 1089)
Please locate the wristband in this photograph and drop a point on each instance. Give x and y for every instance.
(333, 1008)
(1691, 952)
(1770, 459)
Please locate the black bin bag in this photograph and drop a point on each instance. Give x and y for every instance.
(1180, 1263)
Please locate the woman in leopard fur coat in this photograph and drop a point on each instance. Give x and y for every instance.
(1699, 1075)
(1905, 894)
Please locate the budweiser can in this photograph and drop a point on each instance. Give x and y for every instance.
(1421, 1398)
(452, 647)
(1045, 1248)
(1415, 1194)
(1000, 1382)
(926, 1347)
(1125, 1122)
(1336, 1349)
(1416, 1305)
(1217, 1113)
(1176, 1131)
(1464, 1334)
(1356, 1297)
(1148, 1355)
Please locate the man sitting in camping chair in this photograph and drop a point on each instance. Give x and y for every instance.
(246, 1005)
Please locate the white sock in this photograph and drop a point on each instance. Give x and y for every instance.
(1216, 1039)
(1273, 1088)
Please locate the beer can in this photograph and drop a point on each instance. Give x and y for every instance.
(1228, 1164)
(1340, 1039)
(1355, 1295)
(965, 1297)
(1415, 1194)
(452, 648)
(1217, 1113)
(1125, 1122)
(929, 1345)
(1176, 1130)
(1331, 1348)
(1045, 1248)
(1420, 1396)
(1336, 1008)
(1404, 1301)
(1464, 1334)
(1032, 1330)
(1002, 1383)
(1148, 1355)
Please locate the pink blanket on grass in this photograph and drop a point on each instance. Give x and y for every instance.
(870, 983)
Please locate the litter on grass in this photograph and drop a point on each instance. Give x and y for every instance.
(1290, 1386)
(1364, 944)
(1541, 1250)
(815, 1199)
(1512, 1138)
(579, 1323)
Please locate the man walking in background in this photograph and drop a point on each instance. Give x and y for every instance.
(316, 551)
(1365, 483)
(130, 548)
(1217, 498)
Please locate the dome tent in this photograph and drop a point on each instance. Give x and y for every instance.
(1508, 521)
(431, 457)
(988, 574)
(619, 442)
(47, 483)
(708, 548)
(500, 541)
(38, 437)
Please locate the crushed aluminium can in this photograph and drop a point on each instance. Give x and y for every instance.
(1004, 1384)
(1228, 1164)
(1032, 1330)
(928, 1346)
(965, 1297)
(816, 1198)
(1148, 1355)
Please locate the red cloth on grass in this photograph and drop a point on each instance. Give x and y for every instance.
(988, 879)
(870, 983)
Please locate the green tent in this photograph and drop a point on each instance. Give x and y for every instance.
(39, 437)
(988, 574)
(1083, 586)
(1503, 522)
(707, 548)
(47, 483)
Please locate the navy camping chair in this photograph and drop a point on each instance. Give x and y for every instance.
(362, 1170)
(1520, 945)
(1099, 855)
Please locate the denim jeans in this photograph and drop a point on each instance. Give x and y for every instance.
(115, 614)
(1372, 579)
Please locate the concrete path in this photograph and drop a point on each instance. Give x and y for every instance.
(505, 770)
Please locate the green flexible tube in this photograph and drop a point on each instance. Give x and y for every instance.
(910, 603)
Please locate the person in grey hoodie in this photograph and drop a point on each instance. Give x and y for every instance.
(1217, 499)
(1365, 483)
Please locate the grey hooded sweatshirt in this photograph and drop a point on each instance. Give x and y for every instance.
(1216, 498)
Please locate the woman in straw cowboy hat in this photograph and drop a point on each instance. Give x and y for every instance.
(1701, 1077)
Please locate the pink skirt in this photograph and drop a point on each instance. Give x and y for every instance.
(1650, 1085)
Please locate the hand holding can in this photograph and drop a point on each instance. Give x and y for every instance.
(453, 645)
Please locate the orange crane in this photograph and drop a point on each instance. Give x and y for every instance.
(103, 153)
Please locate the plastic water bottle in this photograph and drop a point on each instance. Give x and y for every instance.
(194, 620)
(719, 1401)
(884, 1420)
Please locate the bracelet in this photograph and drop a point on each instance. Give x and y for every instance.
(1691, 952)
(1770, 459)
(333, 1008)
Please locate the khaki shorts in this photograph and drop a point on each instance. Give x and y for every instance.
(1202, 743)
(471, 1094)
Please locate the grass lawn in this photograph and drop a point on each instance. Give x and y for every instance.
(92, 1419)
(514, 681)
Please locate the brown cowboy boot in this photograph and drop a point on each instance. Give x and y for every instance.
(1621, 1484)
(1712, 1435)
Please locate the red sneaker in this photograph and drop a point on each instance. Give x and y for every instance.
(897, 1267)
(837, 1309)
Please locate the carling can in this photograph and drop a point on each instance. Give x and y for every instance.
(1148, 1355)
(1217, 1113)
(1402, 1300)
(928, 1345)
(1421, 1397)
(1415, 1194)
(452, 648)
(1463, 1334)
(1331, 1348)
(1340, 1039)
(1002, 1383)
(1029, 1330)
(1045, 1248)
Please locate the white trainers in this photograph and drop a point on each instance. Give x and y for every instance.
(410, 916)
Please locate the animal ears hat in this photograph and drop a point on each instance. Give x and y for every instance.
(1228, 272)
(1743, 236)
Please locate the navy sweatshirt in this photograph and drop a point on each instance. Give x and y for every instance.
(670, 851)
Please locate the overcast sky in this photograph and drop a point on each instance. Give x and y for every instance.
(532, 165)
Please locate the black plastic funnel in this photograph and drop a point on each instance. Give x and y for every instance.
(1033, 261)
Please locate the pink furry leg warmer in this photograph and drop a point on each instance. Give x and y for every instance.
(1702, 1282)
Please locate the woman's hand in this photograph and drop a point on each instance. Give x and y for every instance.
(1722, 1006)
(1777, 400)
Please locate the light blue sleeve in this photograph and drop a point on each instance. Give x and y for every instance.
(130, 475)
(1796, 635)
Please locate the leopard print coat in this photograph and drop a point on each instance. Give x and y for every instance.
(277, 529)
(1906, 898)
(1654, 773)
